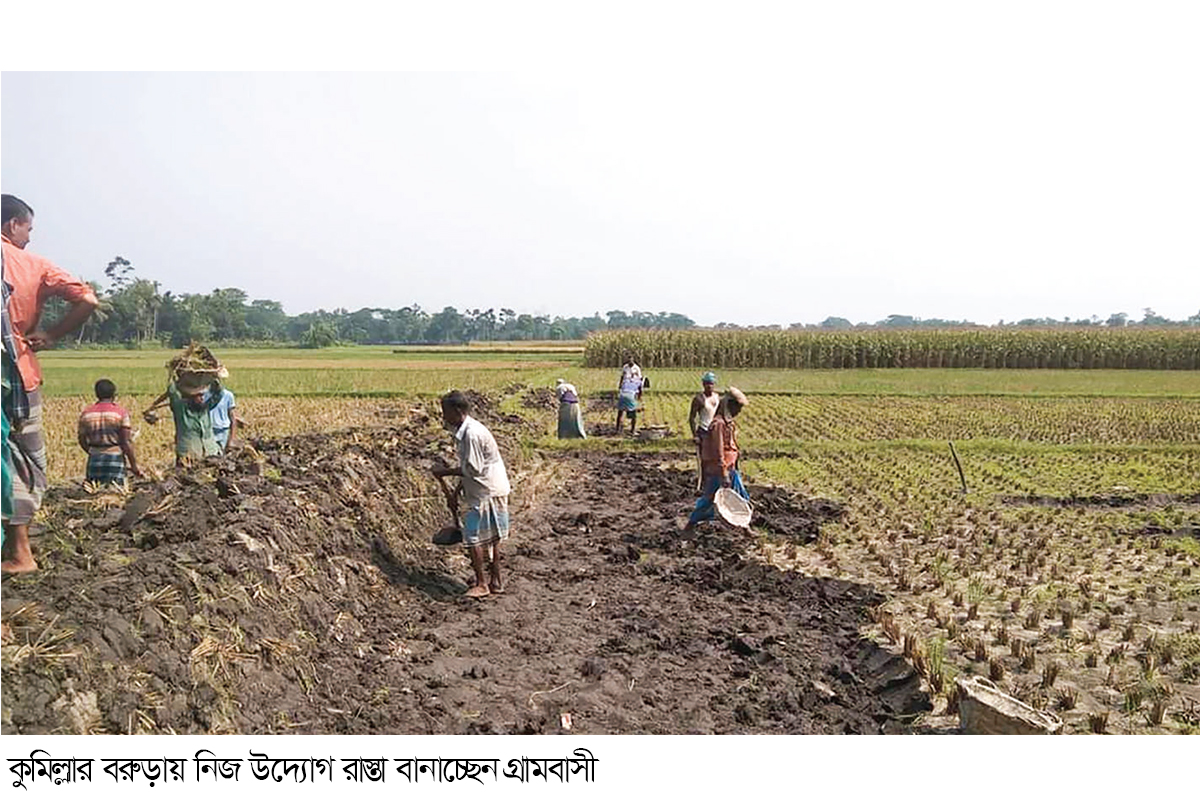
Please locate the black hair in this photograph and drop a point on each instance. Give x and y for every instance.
(105, 389)
(457, 401)
(14, 208)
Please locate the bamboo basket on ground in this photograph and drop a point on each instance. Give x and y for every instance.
(986, 710)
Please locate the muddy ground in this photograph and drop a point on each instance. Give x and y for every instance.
(293, 588)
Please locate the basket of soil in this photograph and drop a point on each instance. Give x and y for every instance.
(986, 710)
(733, 508)
(195, 368)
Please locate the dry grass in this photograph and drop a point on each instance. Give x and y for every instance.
(267, 417)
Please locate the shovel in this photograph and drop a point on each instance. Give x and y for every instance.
(449, 536)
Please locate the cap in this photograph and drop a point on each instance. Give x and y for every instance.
(708, 377)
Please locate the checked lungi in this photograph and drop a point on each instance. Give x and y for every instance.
(27, 445)
(106, 468)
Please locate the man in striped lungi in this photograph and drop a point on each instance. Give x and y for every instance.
(29, 282)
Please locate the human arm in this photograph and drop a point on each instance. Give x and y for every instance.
(125, 438)
(56, 282)
(81, 435)
(233, 426)
(162, 400)
(694, 413)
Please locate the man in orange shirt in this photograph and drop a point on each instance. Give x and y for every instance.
(33, 280)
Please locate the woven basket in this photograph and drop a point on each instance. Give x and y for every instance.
(984, 709)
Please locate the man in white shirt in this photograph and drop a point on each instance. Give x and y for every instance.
(485, 487)
(629, 393)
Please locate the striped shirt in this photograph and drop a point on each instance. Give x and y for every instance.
(100, 427)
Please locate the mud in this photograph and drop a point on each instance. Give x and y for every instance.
(293, 588)
(540, 398)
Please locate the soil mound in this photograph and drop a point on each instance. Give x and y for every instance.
(293, 588)
(541, 398)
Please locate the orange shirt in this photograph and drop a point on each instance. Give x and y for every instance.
(34, 280)
(718, 446)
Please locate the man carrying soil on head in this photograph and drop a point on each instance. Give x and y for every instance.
(484, 486)
(629, 393)
(190, 401)
(719, 455)
(29, 282)
(106, 435)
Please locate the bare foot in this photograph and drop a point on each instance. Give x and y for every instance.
(496, 587)
(15, 566)
(478, 592)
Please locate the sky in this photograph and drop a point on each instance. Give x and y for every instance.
(992, 166)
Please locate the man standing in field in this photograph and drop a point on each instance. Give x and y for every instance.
(485, 487)
(30, 282)
(190, 406)
(719, 455)
(106, 435)
(704, 408)
(629, 393)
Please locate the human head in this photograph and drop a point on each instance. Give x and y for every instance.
(628, 358)
(455, 407)
(17, 220)
(734, 401)
(709, 380)
(105, 389)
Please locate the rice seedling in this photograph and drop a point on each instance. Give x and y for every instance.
(1068, 698)
(1098, 722)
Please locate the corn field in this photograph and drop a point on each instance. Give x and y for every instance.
(1167, 348)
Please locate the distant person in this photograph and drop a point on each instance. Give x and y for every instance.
(484, 486)
(719, 456)
(224, 419)
(570, 415)
(106, 435)
(30, 281)
(190, 404)
(629, 393)
(704, 408)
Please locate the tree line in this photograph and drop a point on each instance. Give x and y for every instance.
(135, 311)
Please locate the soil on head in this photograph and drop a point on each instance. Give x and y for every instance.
(294, 588)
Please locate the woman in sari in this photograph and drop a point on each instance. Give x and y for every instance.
(570, 415)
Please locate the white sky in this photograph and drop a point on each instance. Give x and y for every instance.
(1031, 160)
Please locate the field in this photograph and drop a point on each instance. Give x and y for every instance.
(1067, 571)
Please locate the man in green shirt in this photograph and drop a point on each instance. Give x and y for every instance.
(193, 424)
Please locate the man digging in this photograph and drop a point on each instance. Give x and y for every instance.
(484, 486)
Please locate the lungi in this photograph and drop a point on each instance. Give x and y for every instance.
(570, 421)
(27, 452)
(106, 468)
(627, 401)
(486, 521)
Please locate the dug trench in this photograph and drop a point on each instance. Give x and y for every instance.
(293, 588)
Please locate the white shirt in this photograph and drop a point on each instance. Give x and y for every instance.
(631, 378)
(708, 411)
(483, 471)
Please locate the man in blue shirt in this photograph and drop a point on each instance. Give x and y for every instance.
(224, 420)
